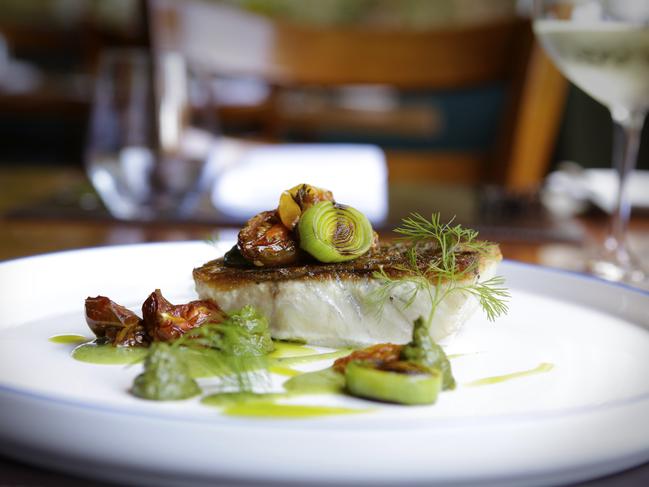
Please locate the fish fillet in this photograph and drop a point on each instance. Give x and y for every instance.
(330, 305)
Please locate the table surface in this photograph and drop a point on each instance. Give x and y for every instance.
(34, 231)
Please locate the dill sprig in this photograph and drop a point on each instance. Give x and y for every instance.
(234, 350)
(239, 346)
(439, 276)
(213, 239)
(448, 238)
(209, 344)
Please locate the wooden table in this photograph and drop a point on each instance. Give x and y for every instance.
(28, 235)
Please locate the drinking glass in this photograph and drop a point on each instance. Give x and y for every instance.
(602, 46)
(149, 144)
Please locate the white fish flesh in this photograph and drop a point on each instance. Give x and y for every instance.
(331, 304)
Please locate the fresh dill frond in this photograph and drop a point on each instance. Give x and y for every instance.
(234, 350)
(242, 333)
(441, 275)
(213, 239)
(492, 296)
(388, 287)
(448, 238)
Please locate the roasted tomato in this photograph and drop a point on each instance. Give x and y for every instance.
(164, 321)
(266, 242)
(381, 354)
(114, 323)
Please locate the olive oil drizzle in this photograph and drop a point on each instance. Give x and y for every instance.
(496, 379)
(286, 354)
(285, 371)
(290, 349)
(272, 410)
(68, 339)
(101, 354)
(305, 359)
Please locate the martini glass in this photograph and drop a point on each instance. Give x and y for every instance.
(602, 46)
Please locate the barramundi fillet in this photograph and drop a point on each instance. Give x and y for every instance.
(338, 305)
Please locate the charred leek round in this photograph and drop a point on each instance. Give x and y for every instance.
(403, 382)
(334, 233)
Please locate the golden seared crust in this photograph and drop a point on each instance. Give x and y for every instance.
(391, 257)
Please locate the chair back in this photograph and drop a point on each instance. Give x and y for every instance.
(229, 41)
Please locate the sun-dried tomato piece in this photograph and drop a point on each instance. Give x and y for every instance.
(266, 242)
(164, 321)
(115, 323)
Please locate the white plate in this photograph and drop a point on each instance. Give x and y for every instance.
(584, 418)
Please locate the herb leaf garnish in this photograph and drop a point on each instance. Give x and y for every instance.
(234, 350)
(441, 275)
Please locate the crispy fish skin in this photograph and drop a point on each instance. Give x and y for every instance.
(328, 304)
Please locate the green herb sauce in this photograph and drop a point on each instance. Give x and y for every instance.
(201, 362)
(109, 354)
(165, 377)
(290, 349)
(285, 371)
(212, 363)
(541, 368)
(305, 359)
(326, 381)
(250, 404)
(69, 339)
(226, 399)
(423, 350)
(285, 411)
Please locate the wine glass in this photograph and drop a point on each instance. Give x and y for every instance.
(602, 46)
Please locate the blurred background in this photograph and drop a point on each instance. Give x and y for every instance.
(197, 110)
(49, 52)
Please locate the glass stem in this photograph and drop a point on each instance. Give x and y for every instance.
(626, 143)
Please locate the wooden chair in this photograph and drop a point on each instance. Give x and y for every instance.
(228, 41)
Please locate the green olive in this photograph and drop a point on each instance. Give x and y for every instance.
(334, 233)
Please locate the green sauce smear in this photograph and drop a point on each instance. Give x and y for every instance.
(306, 359)
(69, 339)
(165, 377)
(285, 371)
(541, 368)
(226, 399)
(108, 354)
(285, 411)
(290, 349)
(326, 381)
(264, 405)
(201, 362)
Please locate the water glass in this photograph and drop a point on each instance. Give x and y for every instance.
(150, 136)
